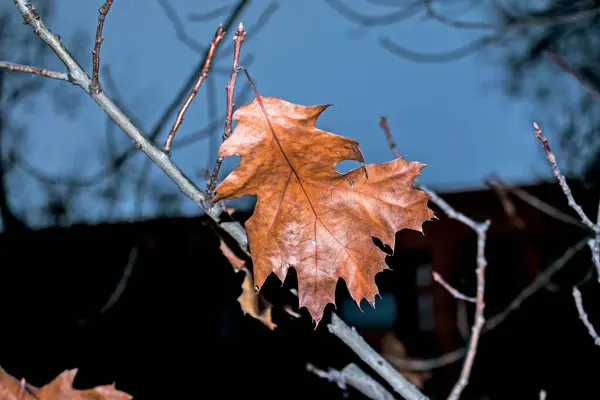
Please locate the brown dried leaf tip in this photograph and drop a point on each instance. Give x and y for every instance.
(250, 302)
(61, 388)
(308, 216)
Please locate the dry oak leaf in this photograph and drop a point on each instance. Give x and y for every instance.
(308, 216)
(250, 303)
(61, 388)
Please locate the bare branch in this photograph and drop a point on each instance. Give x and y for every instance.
(82, 80)
(584, 317)
(561, 178)
(180, 31)
(102, 11)
(120, 288)
(479, 310)
(439, 57)
(238, 40)
(527, 23)
(61, 76)
(595, 245)
(541, 281)
(580, 78)
(438, 278)
(537, 203)
(481, 230)
(507, 205)
(355, 377)
(353, 340)
(207, 16)
(219, 35)
(570, 199)
(404, 11)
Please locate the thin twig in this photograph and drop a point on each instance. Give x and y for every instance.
(102, 11)
(481, 230)
(530, 22)
(540, 282)
(578, 76)
(507, 204)
(537, 203)
(561, 178)
(207, 16)
(219, 35)
(353, 340)
(119, 289)
(454, 292)
(570, 199)
(79, 78)
(238, 40)
(595, 246)
(180, 31)
(61, 76)
(479, 313)
(584, 317)
(353, 376)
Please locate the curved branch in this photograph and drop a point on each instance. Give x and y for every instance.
(452, 55)
(405, 12)
(527, 23)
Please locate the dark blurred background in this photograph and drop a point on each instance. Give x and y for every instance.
(77, 200)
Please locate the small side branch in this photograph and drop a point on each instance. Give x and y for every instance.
(81, 79)
(353, 340)
(454, 292)
(61, 76)
(561, 178)
(353, 376)
(238, 40)
(102, 11)
(570, 199)
(481, 230)
(584, 317)
(479, 313)
(219, 35)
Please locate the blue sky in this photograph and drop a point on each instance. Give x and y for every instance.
(453, 117)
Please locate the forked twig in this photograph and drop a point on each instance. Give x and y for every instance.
(102, 11)
(80, 78)
(481, 230)
(561, 178)
(238, 40)
(219, 35)
(540, 282)
(570, 199)
(479, 313)
(353, 340)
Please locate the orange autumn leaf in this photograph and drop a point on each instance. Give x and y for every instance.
(61, 388)
(308, 216)
(250, 302)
